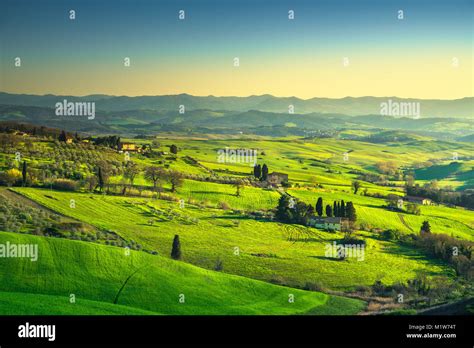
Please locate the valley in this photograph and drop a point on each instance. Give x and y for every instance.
(109, 195)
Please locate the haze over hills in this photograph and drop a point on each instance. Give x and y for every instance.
(260, 115)
(458, 108)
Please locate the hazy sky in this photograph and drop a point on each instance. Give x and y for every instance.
(414, 57)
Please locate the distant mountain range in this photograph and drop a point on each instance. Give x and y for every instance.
(458, 108)
(233, 115)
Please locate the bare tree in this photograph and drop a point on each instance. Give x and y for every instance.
(155, 175)
(175, 178)
(131, 171)
(239, 184)
(356, 186)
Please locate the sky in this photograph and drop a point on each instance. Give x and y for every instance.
(332, 48)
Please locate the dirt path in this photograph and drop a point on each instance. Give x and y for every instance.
(402, 219)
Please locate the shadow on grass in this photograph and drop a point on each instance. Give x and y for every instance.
(327, 258)
(306, 240)
(383, 207)
(412, 253)
(213, 193)
(235, 217)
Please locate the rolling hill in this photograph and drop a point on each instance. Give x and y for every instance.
(105, 280)
(206, 121)
(297, 252)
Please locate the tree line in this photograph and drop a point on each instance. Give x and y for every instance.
(154, 174)
(290, 210)
(338, 209)
(463, 199)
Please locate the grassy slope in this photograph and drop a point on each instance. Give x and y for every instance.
(456, 221)
(293, 253)
(96, 273)
(320, 161)
(20, 303)
(251, 198)
(303, 159)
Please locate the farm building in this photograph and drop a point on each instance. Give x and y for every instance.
(326, 223)
(276, 178)
(418, 200)
(130, 147)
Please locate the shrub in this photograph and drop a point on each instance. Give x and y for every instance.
(457, 252)
(413, 209)
(310, 286)
(464, 266)
(168, 197)
(391, 234)
(365, 226)
(223, 205)
(285, 183)
(363, 289)
(378, 288)
(278, 280)
(10, 177)
(219, 266)
(351, 240)
(64, 185)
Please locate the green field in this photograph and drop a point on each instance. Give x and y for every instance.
(217, 226)
(105, 280)
(240, 159)
(20, 303)
(251, 198)
(309, 161)
(290, 254)
(458, 222)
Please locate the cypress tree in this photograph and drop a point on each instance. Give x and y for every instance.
(176, 249)
(100, 178)
(319, 206)
(62, 136)
(23, 173)
(264, 172)
(328, 211)
(351, 212)
(343, 209)
(257, 171)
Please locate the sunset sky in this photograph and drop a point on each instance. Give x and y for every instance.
(303, 57)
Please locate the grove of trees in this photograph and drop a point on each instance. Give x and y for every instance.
(290, 210)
